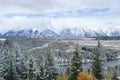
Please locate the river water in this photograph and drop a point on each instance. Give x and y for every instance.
(111, 65)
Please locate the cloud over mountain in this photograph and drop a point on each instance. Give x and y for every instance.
(56, 14)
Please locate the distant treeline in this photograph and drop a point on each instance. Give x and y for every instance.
(97, 38)
(108, 38)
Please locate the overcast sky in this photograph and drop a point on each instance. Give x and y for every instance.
(58, 14)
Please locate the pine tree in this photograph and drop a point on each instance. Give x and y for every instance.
(7, 69)
(21, 69)
(96, 64)
(12, 64)
(11, 74)
(76, 66)
(38, 78)
(50, 69)
(41, 76)
(30, 70)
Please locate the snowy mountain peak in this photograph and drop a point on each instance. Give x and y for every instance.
(48, 34)
(64, 33)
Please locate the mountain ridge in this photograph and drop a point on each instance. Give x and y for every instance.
(64, 33)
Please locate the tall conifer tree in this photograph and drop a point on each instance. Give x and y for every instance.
(76, 65)
(96, 64)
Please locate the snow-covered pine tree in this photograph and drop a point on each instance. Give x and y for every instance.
(10, 62)
(20, 65)
(31, 70)
(96, 64)
(1, 59)
(41, 76)
(76, 65)
(40, 70)
(7, 69)
(50, 69)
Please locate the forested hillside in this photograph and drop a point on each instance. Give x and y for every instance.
(54, 60)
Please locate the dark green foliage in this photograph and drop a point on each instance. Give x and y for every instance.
(96, 64)
(50, 69)
(20, 67)
(8, 43)
(10, 75)
(8, 70)
(47, 70)
(38, 77)
(41, 76)
(76, 65)
(86, 48)
(108, 38)
(30, 70)
(13, 66)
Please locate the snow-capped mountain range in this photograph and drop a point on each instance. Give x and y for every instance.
(64, 33)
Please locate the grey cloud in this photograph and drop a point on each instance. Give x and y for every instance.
(51, 7)
(44, 5)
